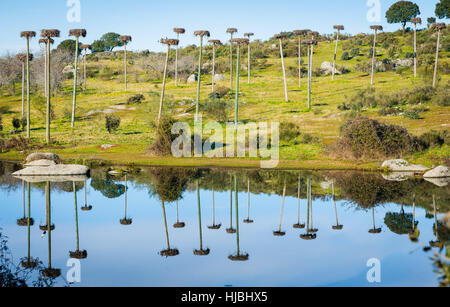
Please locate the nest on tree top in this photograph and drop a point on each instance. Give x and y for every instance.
(78, 32)
(338, 27)
(375, 231)
(27, 34)
(249, 34)
(438, 26)
(24, 222)
(416, 20)
(202, 33)
(45, 41)
(232, 30)
(179, 225)
(86, 47)
(215, 42)
(29, 263)
(126, 222)
(300, 32)
(299, 226)
(309, 42)
(240, 41)
(179, 30)
(308, 236)
(338, 227)
(280, 36)
(170, 41)
(376, 28)
(125, 38)
(50, 33)
(279, 233)
(313, 33)
(45, 227)
(22, 57)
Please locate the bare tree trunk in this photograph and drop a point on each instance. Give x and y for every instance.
(125, 64)
(249, 63)
(214, 67)
(164, 85)
(335, 55)
(28, 88)
(374, 52)
(284, 72)
(75, 78)
(197, 106)
(85, 72)
(415, 50)
(437, 58)
(47, 130)
(236, 105)
(23, 90)
(231, 62)
(282, 208)
(299, 62)
(176, 62)
(45, 70)
(309, 78)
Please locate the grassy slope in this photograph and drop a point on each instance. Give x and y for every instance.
(263, 100)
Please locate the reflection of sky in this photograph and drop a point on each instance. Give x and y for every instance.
(119, 255)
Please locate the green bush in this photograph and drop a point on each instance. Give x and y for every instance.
(136, 99)
(345, 56)
(112, 123)
(164, 137)
(354, 52)
(411, 114)
(442, 97)
(217, 109)
(219, 92)
(435, 138)
(289, 132)
(16, 123)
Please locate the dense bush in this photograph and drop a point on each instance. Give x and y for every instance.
(411, 114)
(219, 92)
(345, 56)
(20, 144)
(162, 146)
(136, 99)
(362, 137)
(442, 97)
(290, 134)
(216, 108)
(112, 123)
(16, 123)
(435, 138)
(354, 52)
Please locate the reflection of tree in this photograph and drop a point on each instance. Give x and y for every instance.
(169, 252)
(29, 262)
(279, 233)
(375, 230)
(309, 234)
(86, 207)
(25, 222)
(299, 225)
(179, 224)
(231, 230)
(239, 256)
(126, 221)
(248, 220)
(400, 223)
(214, 226)
(337, 227)
(77, 254)
(108, 188)
(170, 183)
(201, 251)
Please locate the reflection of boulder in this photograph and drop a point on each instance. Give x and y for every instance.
(440, 182)
(396, 176)
(438, 172)
(54, 170)
(43, 156)
(53, 179)
(403, 166)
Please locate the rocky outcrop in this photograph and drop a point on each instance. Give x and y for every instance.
(53, 170)
(403, 166)
(192, 79)
(327, 68)
(42, 163)
(438, 172)
(43, 156)
(440, 182)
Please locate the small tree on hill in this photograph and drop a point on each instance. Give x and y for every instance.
(402, 12)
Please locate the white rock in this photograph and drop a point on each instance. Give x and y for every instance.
(192, 79)
(38, 179)
(218, 77)
(440, 182)
(55, 170)
(438, 172)
(398, 177)
(42, 163)
(403, 62)
(403, 166)
(43, 156)
(327, 68)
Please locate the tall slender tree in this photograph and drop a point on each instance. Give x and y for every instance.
(309, 43)
(239, 42)
(214, 43)
(77, 33)
(45, 41)
(201, 34)
(22, 58)
(48, 34)
(338, 29)
(125, 39)
(28, 35)
(313, 35)
(415, 21)
(169, 42)
(178, 31)
(437, 27)
(231, 31)
(375, 29)
(281, 37)
(301, 35)
(85, 48)
(249, 35)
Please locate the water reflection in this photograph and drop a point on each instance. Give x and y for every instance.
(398, 213)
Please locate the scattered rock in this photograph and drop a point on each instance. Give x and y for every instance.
(43, 156)
(42, 163)
(219, 77)
(106, 146)
(327, 68)
(403, 63)
(440, 182)
(68, 69)
(326, 185)
(192, 79)
(184, 115)
(54, 170)
(403, 166)
(398, 177)
(438, 172)
(122, 108)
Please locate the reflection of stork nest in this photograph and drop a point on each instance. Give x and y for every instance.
(169, 253)
(248, 221)
(375, 231)
(29, 263)
(436, 244)
(299, 226)
(413, 237)
(338, 227)
(78, 254)
(45, 227)
(314, 230)
(279, 233)
(202, 252)
(215, 227)
(126, 222)
(308, 236)
(179, 225)
(51, 273)
(231, 230)
(86, 208)
(243, 257)
(24, 222)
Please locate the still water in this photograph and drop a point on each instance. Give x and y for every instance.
(219, 227)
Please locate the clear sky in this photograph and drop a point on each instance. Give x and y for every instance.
(149, 20)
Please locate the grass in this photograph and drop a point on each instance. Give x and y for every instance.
(263, 100)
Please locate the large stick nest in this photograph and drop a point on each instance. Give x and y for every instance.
(202, 33)
(338, 227)
(308, 236)
(179, 30)
(45, 41)
(299, 226)
(248, 221)
(215, 42)
(300, 32)
(313, 33)
(250, 34)
(339, 27)
(231, 230)
(416, 20)
(309, 42)
(215, 227)
(202, 252)
(243, 257)
(126, 222)
(279, 233)
(86, 208)
(232, 30)
(86, 46)
(375, 231)
(29, 263)
(22, 57)
(78, 32)
(24, 222)
(78, 255)
(50, 33)
(169, 253)
(438, 26)
(240, 41)
(45, 227)
(170, 41)
(280, 36)
(27, 34)
(377, 28)
(125, 38)
(179, 225)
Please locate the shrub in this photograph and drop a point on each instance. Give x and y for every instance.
(420, 95)
(16, 123)
(219, 92)
(364, 137)
(1, 124)
(345, 56)
(20, 144)
(435, 138)
(217, 109)
(136, 99)
(289, 132)
(354, 52)
(442, 97)
(411, 114)
(23, 123)
(112, 123)
(164, 138)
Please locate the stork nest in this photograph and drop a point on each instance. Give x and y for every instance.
(202, 33)
(24, 222)
(22, 57)
(51, 273)
(215, 227)
(45, 228)
(279, 233)
(179, 30)
(232, 30)
(78, 255)
(27, 34)
(438, 26)
(338, 227)
(375, 231)
(86, 208)
(248, 221)
(179, 225)
(240, 41)
(50, 33)
(309, 42)
(78, 32)
(377, 28)
(279, 36)
(250, 34)
(416, 20)
(231, 230)
(202, 252)
(308, 236)
(299, 226)
(215, 42)
(243, 257)
(125, 38)
(86, 47)
(170, 41)
(339, 27)
(169, 253)
(46, 40)
(126, 222)
(29, 263)
(313, 33)
(300, 32)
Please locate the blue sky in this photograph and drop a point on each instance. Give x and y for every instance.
(148, 20)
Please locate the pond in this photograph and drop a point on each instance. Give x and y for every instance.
(224, 227)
